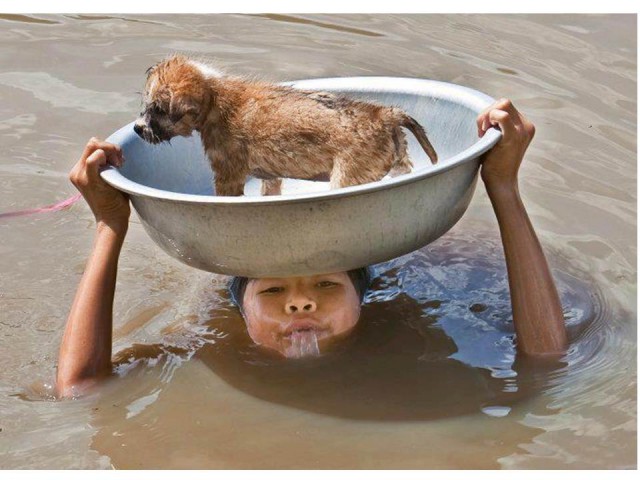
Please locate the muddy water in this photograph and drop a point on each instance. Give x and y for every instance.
(431, 378)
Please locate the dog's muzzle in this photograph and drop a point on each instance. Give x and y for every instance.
(138, 129)
(148, 134)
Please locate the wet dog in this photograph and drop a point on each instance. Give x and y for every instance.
(273, 132)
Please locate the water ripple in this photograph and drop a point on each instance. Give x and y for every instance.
(61, 94)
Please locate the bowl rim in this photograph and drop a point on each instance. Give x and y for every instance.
(471, 98)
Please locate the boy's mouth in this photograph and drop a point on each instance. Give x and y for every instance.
(303, 325)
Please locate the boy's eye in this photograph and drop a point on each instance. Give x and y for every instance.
(326, 283)
(273, 290)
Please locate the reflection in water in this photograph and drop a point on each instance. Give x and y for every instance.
(61, 94)
(93, 18)
(398, 365)
(434, 341)
(315, 23)
(26, 19)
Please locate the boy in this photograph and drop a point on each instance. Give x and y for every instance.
(280, 312)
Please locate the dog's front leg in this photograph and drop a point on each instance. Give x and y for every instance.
(226, 188)
(229, 183)
(229, 178)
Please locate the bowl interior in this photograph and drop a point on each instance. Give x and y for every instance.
(447, 112)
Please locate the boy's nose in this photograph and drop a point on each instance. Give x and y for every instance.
(300, 304)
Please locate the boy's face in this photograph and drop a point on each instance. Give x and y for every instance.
(278, 309)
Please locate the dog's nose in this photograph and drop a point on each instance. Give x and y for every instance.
(138, 129)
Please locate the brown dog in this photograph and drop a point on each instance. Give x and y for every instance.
(270, 131)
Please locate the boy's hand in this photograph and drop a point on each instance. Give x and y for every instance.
(109, 205)
(500, 164)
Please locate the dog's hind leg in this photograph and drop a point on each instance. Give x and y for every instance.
(271, 187)
(338, 177)
(401, 162)
(345, 174)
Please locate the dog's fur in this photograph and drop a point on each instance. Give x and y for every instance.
(270, 131)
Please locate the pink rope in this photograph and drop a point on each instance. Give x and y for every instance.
(49, 208)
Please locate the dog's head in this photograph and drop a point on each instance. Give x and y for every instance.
(175, 101)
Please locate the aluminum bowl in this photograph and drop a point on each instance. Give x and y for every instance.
(310, 229)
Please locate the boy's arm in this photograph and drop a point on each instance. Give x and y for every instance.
(85, 352)
(537, 311)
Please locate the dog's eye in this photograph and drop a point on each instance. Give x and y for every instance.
(156, 110)
(176, 116)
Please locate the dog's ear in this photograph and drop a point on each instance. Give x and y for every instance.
(182, 105)
(150, 70)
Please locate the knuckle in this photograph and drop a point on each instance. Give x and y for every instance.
(531, 128)
(74, 174)
(78, 181)
(501, 115)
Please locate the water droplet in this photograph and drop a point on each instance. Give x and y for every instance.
(303, 344)
(496, 411)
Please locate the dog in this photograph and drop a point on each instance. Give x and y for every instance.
(272, 132)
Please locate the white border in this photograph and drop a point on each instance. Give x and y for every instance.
(333, 6)
(322, 474)
(325, 6)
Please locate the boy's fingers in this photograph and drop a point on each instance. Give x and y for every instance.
(113, 152)
(96, 160)
(114, 156)
(89, 148)
(485, 119)
(506, 105)
(482, 123)
(479, 125)
(503, 120)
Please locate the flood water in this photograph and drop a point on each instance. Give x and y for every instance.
(430, 379)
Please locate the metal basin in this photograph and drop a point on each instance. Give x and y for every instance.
(310, 229)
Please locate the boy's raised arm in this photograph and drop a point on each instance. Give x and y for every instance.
(85, 352)
(537, 312)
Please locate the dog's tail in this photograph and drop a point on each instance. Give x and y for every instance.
(414, 127)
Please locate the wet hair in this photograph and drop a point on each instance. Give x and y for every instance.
(360, 277)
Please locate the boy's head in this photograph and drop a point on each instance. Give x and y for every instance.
(276, 310)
